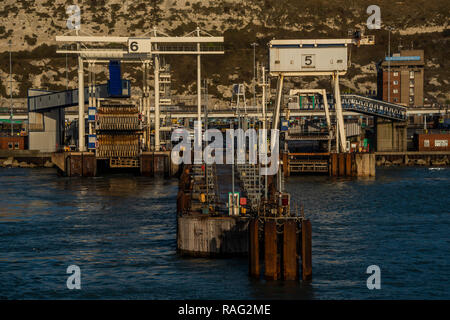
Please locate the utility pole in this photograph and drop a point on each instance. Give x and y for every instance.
(254, 44)
(389, 63)
(206, 128)
(199, 89)
(67, 71)
(10, 86)
(264, 123)
(157, 68)
(81, 129)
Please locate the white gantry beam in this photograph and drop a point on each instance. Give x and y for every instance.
(192, 39)
(121, 54)
(142, 49)
(301, 42)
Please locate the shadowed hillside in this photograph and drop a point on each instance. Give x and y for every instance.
(33, 25)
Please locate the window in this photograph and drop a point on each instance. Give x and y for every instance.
(411, 91)
(395, 100)
(16, 145)
(395, 91)
(395, 74)
(411, 99)
(411, 74)
(10, 145)
(411, 83)
(395, 82)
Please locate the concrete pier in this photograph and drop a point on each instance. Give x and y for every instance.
(212, 236)
(76, 164)
(335, 164)
(391, 135)
(31, 156)
(352, 164)
(413, 158)
(269, 234)
(85, 164)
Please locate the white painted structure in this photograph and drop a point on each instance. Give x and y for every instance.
(297, 59)
(144, 50)
(313, 57)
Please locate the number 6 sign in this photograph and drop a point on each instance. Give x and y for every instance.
(139, 45)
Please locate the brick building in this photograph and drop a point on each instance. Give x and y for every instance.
(406, 78)
(8, 142)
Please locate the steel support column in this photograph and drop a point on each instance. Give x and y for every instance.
(157, 113)
(81, 129)
(339, 115)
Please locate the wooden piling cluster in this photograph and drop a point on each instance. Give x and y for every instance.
(276, 245)
(352, 164)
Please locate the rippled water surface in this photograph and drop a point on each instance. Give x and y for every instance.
(121, 231)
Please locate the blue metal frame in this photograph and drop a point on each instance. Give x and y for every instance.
(71, 97)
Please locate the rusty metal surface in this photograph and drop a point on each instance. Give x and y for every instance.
(290, 258)
(306, 250)
(348, 164)
(76, 165)
(146, 165)
(270, 251)
(334, 164)
(89, 165)
(254, 268)
(341, 164)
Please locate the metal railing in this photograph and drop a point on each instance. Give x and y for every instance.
(374, 107)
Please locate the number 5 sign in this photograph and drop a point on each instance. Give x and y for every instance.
(139, 45)
(308, 60)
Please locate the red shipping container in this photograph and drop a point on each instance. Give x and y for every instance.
(433, 142)
(13, 143)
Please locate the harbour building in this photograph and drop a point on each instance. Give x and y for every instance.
(403, 75)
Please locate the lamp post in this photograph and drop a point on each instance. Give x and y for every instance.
(10, 86)
(67, 71)
(254, 44)
(389, 63)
